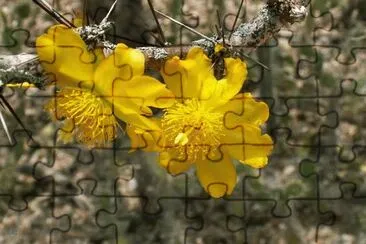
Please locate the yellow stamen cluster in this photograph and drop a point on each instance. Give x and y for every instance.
(93, 122)
(192, 129)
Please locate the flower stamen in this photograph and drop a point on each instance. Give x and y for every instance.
(192, 129)
(93, 119)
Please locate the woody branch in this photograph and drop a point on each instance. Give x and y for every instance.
(270, 19)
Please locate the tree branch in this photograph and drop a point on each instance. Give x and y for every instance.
(270, 19)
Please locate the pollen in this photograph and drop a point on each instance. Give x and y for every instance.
(192, 129)
(88, 117)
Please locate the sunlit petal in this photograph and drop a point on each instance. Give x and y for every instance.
(218, 178)
(170, 160)
(147, 140)
(247, 144)
(122, 66)
(226, 88)
(243, 109)
(65, 57)
(191, 77)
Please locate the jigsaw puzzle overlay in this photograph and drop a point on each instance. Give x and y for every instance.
(59, 186)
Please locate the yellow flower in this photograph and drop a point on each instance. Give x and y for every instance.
(94, 89)
(209, 125)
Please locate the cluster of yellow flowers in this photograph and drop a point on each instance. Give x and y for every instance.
(205, 122)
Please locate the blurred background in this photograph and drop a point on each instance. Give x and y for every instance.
(312, 190)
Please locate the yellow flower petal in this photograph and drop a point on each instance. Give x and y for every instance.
(131, 103)
(117, 67)
(143, 139)
(218, 178)
(243, 109)
(247, 144)
(128, 110)
(111, 72)
(236, 73)
(145, 91)
(256, 163)
(231, 84)
(189, 78)
(119, 79)
(172, 163)
(65, 58)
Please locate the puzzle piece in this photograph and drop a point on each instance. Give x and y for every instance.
(17, 225)
(128, 217)
(259, 213)
(86, 165)
(82, 215)
(331, 169)
(346, 129)
(350, 197)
